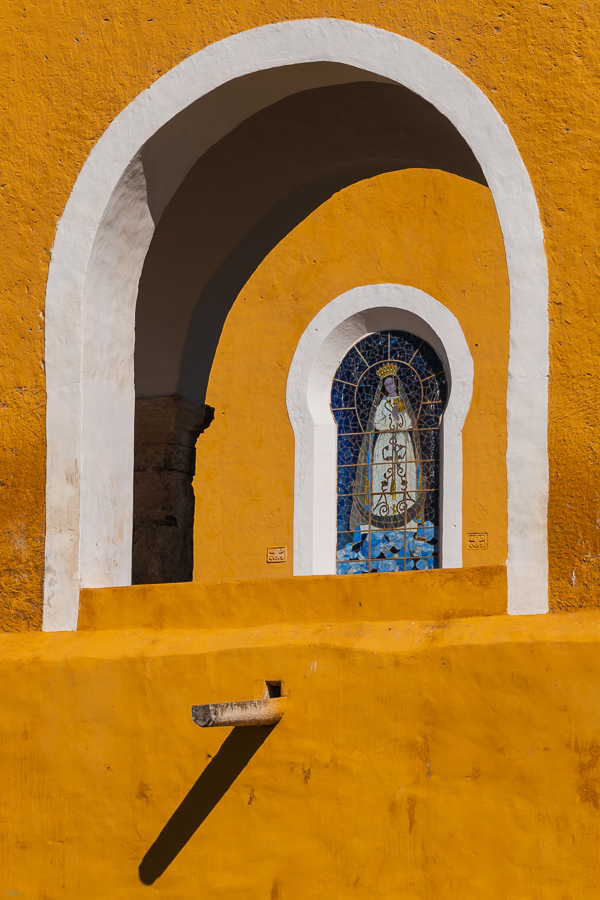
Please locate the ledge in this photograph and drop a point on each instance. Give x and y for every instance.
(429, 595)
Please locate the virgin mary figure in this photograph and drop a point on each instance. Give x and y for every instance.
(388, 484)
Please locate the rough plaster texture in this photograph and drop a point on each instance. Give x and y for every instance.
(481, 778)
(439, 595)
(444, 758)
(66, 72)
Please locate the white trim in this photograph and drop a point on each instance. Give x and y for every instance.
(103, 236)
(333, 331)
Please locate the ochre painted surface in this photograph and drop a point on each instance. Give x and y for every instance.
(449, 758)
(22, 485)
(428, 229)
(415, 759)
(67, 70)
(448, 593)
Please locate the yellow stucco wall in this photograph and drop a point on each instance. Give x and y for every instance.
(423, 228)
(433, 594)
(439, 758)
(67, 71)
(442, 758)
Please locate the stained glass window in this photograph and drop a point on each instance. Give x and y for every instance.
(388, 398)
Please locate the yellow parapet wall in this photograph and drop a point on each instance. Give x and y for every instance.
(447, 758)
(434, 594)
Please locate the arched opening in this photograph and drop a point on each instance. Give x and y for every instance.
(240, 199)
(336, 329)
(104, 235)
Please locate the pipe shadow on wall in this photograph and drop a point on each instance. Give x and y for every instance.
(214, 782)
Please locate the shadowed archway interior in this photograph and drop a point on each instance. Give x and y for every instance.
(237, 202)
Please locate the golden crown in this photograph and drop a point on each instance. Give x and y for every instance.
(386, 370)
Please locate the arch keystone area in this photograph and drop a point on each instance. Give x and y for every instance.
(105, 231)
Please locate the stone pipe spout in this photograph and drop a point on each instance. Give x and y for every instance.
(267, 711)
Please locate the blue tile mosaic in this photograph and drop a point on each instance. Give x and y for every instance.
(342, 395)
(347, 421)
(351, 367)
(387, 399)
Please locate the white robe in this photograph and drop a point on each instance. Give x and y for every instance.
(394, 472)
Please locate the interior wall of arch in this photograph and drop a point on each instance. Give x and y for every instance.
(424, 227)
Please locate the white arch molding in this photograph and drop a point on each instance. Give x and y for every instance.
(104, 234)
(333, 331)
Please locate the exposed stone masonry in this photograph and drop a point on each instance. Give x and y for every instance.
(166, 431)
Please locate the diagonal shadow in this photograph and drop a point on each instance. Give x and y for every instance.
(234, 755)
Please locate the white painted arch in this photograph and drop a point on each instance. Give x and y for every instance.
(105, 231)
(330, 335)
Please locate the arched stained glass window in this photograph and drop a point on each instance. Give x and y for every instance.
(388, 397)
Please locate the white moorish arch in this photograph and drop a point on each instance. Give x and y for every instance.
(330, 335)
(104, 234)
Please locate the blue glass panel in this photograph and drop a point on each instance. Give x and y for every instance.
(345, 481)
(420, 365)
(428, 471)
(400, 347)
(344, 507)
(393, 565)
(384, 565)
(348, 477)
(342, 395)
(349, 542)
(429, 418)
(374, 347)
(347, 421)
(429, 443)
(389, 460)
(430, 507)
(351, 367)
(338, 395)
(356, 567)
(348, 448)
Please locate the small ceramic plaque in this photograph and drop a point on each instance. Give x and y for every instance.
(276, 554)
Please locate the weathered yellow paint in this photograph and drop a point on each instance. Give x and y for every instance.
(454, 758)
(67, 71)
(427, 229)
(432, 595)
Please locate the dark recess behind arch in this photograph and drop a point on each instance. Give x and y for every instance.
(250, 190)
